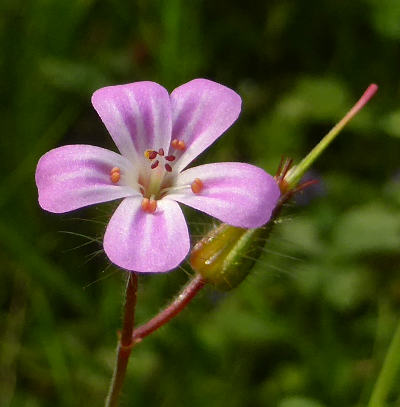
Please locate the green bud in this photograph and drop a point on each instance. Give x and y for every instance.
(226, 255)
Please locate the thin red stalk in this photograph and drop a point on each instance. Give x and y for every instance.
(125, 342)
(177, 305)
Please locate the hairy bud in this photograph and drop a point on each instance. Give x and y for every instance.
(226, 255)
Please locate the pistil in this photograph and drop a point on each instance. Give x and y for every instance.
(156, 177)
(157, 172)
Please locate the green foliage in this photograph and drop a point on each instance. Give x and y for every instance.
(311, 326)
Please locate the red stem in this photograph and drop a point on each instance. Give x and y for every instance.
(177, 305)
(125, 344)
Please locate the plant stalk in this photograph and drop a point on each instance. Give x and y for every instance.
(177, 305)
(125, 342)
(299, 170)
(391, 366)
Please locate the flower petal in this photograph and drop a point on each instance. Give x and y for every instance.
(236, 193)
(137, 115)
(147, 242)
(74, 176)
(201, 111)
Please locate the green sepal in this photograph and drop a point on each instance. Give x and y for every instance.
(226, 255)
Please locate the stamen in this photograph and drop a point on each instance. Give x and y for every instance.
(161, 152)
(152, 205)
(168, 167)
(149, 205)
(145, 204)
(178, 144)
(150, 154)
(197, 186)
(170, 157)
(115, 175)
(154, 165)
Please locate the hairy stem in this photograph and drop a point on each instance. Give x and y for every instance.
(177, 305)
(125, 343)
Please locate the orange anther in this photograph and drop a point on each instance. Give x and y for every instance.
(178, 144)
(115, 175)
(145, 204)
(152, 206)
(149, 205)
(197, 186)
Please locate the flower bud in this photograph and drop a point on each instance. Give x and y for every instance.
(226, 255)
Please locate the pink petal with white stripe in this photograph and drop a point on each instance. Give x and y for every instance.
(236, 193)
(74, 176)
(147, 242)
(201, 111)
(137, 115)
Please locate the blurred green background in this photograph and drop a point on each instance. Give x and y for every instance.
(311, 325)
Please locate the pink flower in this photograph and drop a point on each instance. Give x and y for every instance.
(157, 135)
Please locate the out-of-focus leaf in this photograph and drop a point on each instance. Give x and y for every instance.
(73, 76)
(391, 122)
(299, 402)
(40, 268)
(346, 287)
(303, 236)
(317, 98)
(386, 17)
(368, 229)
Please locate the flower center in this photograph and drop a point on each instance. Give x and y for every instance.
(160, 164)
(152, 155)
(153, 185)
